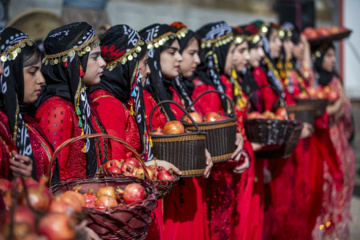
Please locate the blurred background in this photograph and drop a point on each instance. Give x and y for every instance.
(38, 17)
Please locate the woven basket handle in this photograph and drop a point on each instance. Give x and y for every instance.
(232, 114)
(265, 86)
(170, 101)
(95, 135)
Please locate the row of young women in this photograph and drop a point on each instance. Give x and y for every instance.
(85, 85)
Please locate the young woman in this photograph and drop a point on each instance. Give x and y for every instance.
(72, 63)
(334, 219)
(184, 207)
(27, 152)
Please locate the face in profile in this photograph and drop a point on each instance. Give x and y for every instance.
(144, 69)
(229, 60)
(94, 68)
(256, 54)
(298, 50)
(33, 79)
(241, 56)
(170, 60)
(275, 43)
(329, 60)
(190, 57)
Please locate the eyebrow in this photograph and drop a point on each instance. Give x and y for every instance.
(36, 67)
(174, 48)
(96, 53)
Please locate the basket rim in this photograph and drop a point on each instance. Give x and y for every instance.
(232, 119)
(177, 135)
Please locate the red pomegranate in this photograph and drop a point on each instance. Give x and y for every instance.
(37, 199)
(157, 132)
(134, 192)
(268, 114)
(310, 33)
(127, 168)
(302, 95)
(111, 163)
(78, 195)
(281, 112)
(165, 175)
(57, 226)
(334, 29)
(114, 169)
(333, 95)
(132, 161)
(106, 191)
(90, 198)
(59, 206)
(255, 115)
(221, 118)
(106, 201)
(320, 94)
(323, 31)
(22, 214)
(70, 199)
(211, 117)
(4, 185)
(141, 173)
(195, 115)
(311, 91)
(173, 127)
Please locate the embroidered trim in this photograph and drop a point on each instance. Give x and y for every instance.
(159, 41)
(103, 96)
(15, 50)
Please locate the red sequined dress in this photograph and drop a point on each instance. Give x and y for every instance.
(6, 146)
(57, 119)
(117, 121)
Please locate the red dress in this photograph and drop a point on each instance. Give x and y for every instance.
(57, 119)
(42, 152)
(117, 121)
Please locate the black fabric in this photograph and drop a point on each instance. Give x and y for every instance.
(323, 77)
(12, 92)
(155, 84)
(208, 71)
(65, 79)
(121, 79)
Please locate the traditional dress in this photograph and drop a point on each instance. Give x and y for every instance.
(64, 110)
(18, 130)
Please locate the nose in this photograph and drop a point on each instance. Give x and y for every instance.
(41, 79)
(261, 53)
(1, 69)
(197, 59)
(247, 55)
(178, 57)
(148, 70)
(102, 63)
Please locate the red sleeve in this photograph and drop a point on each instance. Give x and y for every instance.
(322, 122)
(112, 115)
(158, 119)
(228, 86)
(56, 118)
(202, 105)
(270, 96)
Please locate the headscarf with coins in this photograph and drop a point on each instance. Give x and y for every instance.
(12, 42)
(66, 54)
(216, 39)
(121, 46)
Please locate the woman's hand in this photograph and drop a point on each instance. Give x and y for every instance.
(257, 146)
(165, 165)
(244, 165)
(209, 164)
(267, 175)
(307, 130)
(21, 166)
(240, 144)
(335, 108)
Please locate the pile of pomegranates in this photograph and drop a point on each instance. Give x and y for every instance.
(279, 114)
(209, 117)
(312, 33)
(37, 214)
(318, 93)
(131, 167)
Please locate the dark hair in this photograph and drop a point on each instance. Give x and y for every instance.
(167, 44)
(143, 52)
(31, 55)
(192, 39)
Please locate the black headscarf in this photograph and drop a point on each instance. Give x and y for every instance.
(322, 76)
(156, 35)
(216, 39)
(66, 54)
(12, 43)
(121, 46)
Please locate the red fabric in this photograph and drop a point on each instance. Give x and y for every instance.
(175, 109)
(6, 146)
(202, 105)
(228, 86)
(57, 119)
(185, 211)
(159, 118)
(119, 123)
(270, 96)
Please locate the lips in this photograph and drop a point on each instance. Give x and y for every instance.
(100, 74)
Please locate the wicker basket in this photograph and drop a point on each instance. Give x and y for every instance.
(186, 150)
(268, 131)
(221, 136)
(164, 187)
(303, 113)
(121, 222)
(285, 150)
(318, 104)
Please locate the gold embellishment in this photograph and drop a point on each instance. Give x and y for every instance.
(182, 33)
(212, 126)
(165, 37)
(221, 158)
(192, 172)
(80, 50)
(130, 55)
(218, 41)
(15, 50)
(163, 138)
(103, 96)
(239, 39)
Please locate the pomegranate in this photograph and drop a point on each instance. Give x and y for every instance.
(277, 117)
(70, 199)
(106, 191)
(211, 117)
(37, 199)
(127, 174)
(4, 185)
(132, 161)
(195, 115)
(320, 94)
(268, 114)
(292, 116)
(221, 118)
(302, 95)
(311, 91)
(333, 95)
(78, 195)
(90, 198)
(158, 132)
(111, 163)
(173, 127)
(310, 33)
(57, 226)
(105, 201)
(22, 214)
(114, 169)
(20, 230)
(134, 192)
(334, 29)
(323, 31)
(281, 112)
(127, 168)
(29, 183)
(255, 115)
(140, 173)
(7, 199)
(59, 206)
(165, 175)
